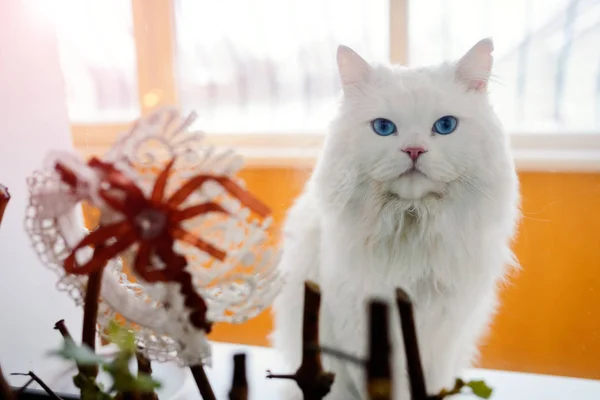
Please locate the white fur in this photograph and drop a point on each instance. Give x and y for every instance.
(360, 229)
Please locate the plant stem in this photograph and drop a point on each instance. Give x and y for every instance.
(145, 367)
(411, 346)
(239, 384)
(62, 328)
(281, 376)
(314, 383)
(41, 383)
(340, 355)
(459, 384)
(202, 382)
(379, 370)
(5, 389)
(64, 331)
(24, 387)
(90, 313)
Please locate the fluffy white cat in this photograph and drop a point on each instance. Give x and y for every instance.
(415, 188)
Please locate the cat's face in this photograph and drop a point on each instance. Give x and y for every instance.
(415, 132)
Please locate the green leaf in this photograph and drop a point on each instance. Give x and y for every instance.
(480, 389)
(145, 383)
(89, 388)
(122, 337)
(82, 355)
(123, 380)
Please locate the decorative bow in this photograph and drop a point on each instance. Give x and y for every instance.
(155, 224)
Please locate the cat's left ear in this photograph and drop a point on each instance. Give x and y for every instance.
(475, 67)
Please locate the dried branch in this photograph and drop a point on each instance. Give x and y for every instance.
(379, 370)
(40, 382)
(64, 331)
(339, 354)
(24, 387)
(411, 346)
(127, 396)
(5, 389)
(239, 383)
(62, 328)
(82, 380)
(271, 375)
(4, 199)
(145, 367)
(90, 313)
(202, 382)
(314, 383)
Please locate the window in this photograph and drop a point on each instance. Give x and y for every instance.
(99, 64)
(269, 66)
(262, 74)
(547, 64)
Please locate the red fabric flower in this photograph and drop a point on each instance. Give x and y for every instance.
(154, 223)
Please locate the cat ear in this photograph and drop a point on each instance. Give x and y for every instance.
(353, 68)
(475, 67)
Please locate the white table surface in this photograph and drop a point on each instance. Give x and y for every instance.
(507, 385)
(179, 383)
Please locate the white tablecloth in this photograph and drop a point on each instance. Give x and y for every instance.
(507, 385)
(178, 384)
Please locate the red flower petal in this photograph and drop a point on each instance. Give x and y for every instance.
(233, 188)
(143, 266)
(101, 255)
(187, 237)
(161, 183)
(193, 211)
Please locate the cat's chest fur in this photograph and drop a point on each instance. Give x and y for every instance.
(448, 269)
(408, 251)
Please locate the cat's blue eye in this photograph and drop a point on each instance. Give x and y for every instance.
(445, 125)
(383, 127)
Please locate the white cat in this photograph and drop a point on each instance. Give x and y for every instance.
(416, 188)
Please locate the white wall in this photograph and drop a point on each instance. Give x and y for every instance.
(33, 120)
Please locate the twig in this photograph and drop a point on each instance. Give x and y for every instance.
(239, 383)
(314, 383)
(90, 313)
(411, 346)
(64, 331)
(4, 199)
(145, 367)
(62, 328)
(328, 351)
(5, 389)
(202, 382)
(41, 383)
(24, 387)
(379, 370)
(459, 384)
(271, 375)
(127, 396)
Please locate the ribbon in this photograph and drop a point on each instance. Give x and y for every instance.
(154, 223)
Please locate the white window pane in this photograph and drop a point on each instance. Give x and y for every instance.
(547, 58)
(98, 59)
(268, 66)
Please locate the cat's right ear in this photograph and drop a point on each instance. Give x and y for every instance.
(353, 69)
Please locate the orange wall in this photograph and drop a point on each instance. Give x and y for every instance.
(549, 321)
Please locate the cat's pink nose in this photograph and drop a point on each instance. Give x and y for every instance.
(414, 152)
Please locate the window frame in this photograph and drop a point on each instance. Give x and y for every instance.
(154, 39)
